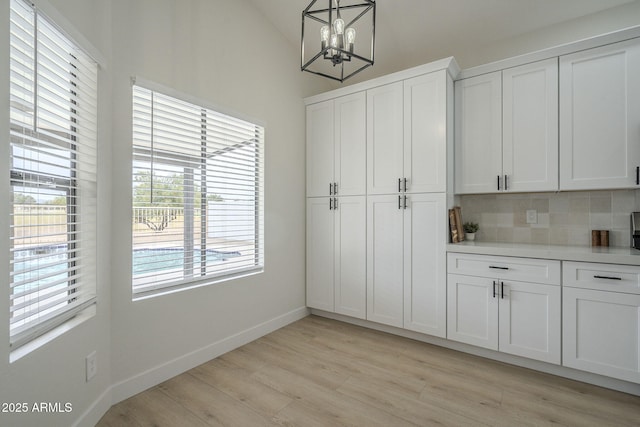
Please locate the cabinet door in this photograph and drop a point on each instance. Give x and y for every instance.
(351, 144)
(600, 117)
(425, 266)
(384, 260)
(472, 311)
(320, 246)
(425, 135)
(478, 134)
(601, 333)
(530, 127)
(351, 256)
(530, 318)
(384, 139)
(319, 148)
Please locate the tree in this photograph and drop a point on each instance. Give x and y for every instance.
(23, 199)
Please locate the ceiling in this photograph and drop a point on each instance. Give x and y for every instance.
(412, 32)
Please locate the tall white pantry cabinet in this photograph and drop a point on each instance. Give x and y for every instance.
(379, 167)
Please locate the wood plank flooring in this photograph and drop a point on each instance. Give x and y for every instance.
(321, 372)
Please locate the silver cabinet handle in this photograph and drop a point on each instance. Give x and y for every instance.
(330, 203)
(505, 183)
(405, 185)
(330, 189)
(335, 188)
(399, 202)
(405, 202)
(399, 185)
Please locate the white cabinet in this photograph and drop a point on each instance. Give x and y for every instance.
(350, 277)
(601, 319)
(336, 146)
(600, 117)
(507, 130)
(425, 264)
(478, 134)
(385, 139)
(406, 272)
(407, 135)
(320, 253)
(530, 127)
(320, 148)
(336, 254)
(425, 132)
(385, 292)
(496, 312)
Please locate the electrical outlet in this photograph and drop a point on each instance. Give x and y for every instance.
(91, 365)
(532, 216)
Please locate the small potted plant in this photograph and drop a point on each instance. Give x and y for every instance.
(470, 229)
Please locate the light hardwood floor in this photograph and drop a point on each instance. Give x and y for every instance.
(321, 372)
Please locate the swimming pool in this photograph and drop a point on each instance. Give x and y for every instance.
(52, 263)
(159, 259)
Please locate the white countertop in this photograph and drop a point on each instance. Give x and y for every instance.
(607, 255)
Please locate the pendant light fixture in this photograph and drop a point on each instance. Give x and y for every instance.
(329, 47)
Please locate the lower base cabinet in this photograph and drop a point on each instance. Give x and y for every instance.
(336, 255)
(514, 317)
(601, 319)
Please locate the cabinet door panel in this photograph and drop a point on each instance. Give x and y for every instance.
(320, 247)
(478, 133)
(351, 257)
(530, 132)
(600, 117)
(425, 136)
(529, 318)
(319, 148)
(601, 333)
(384, 261)
(425, 275)
(351, 144)
(472, 311)
(384, 138)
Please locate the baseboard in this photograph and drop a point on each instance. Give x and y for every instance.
(154, 376)
(561, 371)
(98, 408)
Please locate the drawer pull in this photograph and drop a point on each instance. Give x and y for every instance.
(498, 268)
(607, 277)
(494, 288)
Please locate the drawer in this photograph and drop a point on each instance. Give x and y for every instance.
(511, 268)
(603, 277)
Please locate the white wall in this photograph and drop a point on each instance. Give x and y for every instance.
(55, 372)
(225, 53)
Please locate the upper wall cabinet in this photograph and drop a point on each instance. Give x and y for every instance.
(336, 146)
(507, 130)
(478, 133)
(407, 135)
(530, 127)
(600, 117)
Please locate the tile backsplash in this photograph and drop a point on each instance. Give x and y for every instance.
(564, 218)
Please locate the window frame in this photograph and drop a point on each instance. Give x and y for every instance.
(184, 161)
(78, 188)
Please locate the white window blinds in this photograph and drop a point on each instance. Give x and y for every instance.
(198, 194)
(53, 108)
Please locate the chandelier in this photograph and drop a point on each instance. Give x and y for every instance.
(333, 51)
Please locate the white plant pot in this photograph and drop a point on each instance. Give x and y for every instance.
(470, 236)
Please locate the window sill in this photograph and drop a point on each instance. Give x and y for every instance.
(51, 335)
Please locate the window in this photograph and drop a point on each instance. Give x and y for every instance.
(198, 194)
(53, 89)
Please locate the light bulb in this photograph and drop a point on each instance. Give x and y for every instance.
(334, 40)
(351, 35)
(338, 26)
(324, 33)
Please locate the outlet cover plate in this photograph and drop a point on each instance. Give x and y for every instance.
(532, 216)
(91, 365)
